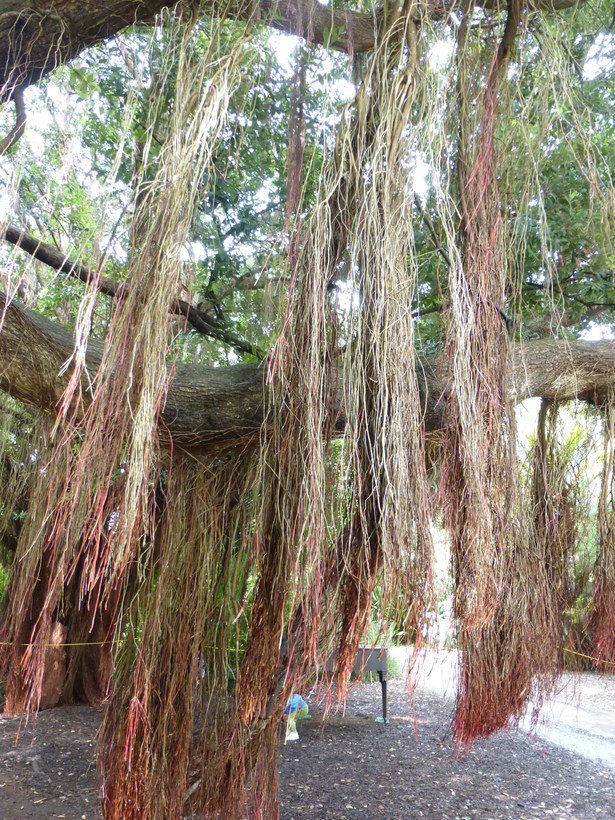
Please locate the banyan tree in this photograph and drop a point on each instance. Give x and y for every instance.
(264, 321)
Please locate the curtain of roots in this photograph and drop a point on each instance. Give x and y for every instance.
(499, 582)
(602, 621)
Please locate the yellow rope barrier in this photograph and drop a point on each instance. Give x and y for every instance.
(105, 643)
(590, 657)
(82, 643)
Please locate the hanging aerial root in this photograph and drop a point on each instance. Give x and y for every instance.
(495, 680)
(553, 515)
(602, 621)
(96, 517)
(174, 658)
(387, 540)
(499, 584)
(27, 620)
(334, 521)
(512, 557)
(602, 624)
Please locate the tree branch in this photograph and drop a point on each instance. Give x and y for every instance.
(36, 37)
(20, 123)
(433, 234)
(594, 309)
(59, 261)
(211, 409)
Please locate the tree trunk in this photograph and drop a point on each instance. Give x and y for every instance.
(78, 662)
(89, 635)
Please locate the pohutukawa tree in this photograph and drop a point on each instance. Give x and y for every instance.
(395, 240)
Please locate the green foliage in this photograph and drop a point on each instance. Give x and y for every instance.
(78, 194)
(5, 574)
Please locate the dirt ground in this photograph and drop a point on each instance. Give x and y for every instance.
(347, 767)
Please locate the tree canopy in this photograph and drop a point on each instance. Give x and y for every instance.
(275, 277)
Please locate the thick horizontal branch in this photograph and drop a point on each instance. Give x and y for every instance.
(59, 261)
(37, 36)
(212, 409)
(207, 408)
(35, 40)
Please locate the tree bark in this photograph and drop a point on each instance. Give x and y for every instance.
(210, 409)
(37, 36)
(79, 659)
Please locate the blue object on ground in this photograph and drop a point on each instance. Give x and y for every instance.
(295, 703)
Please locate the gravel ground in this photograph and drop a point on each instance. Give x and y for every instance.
(347, 767)
(353, 767)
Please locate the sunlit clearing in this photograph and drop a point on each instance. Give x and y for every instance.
(597, 332)
(440, 54)
(599, 57)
